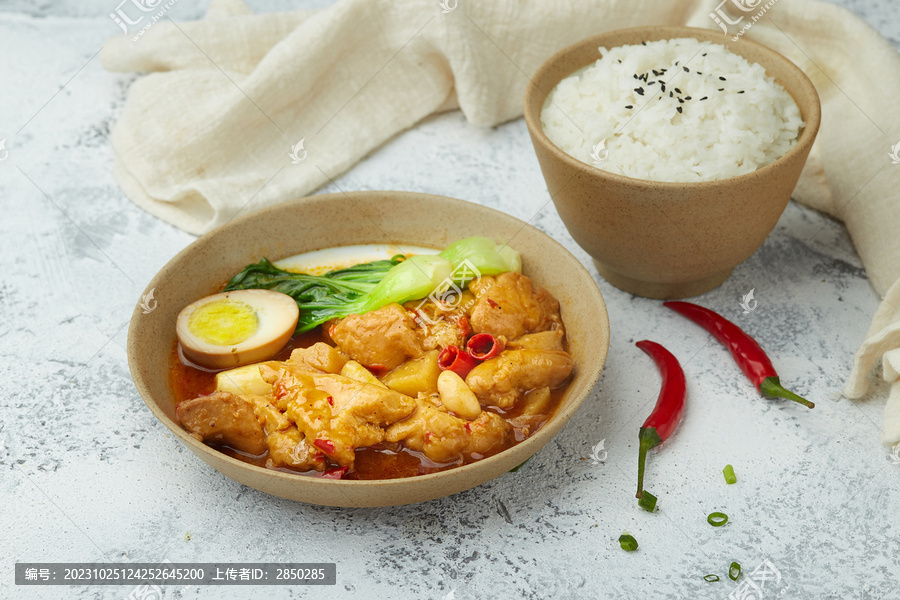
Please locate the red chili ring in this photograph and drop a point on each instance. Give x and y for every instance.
(456, 360)
(484, 346)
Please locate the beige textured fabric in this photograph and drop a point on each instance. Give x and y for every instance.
(207, 134)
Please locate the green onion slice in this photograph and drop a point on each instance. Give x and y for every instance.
(728, 471)
(628, 543)
(734, 571)
(710, 578)
(647, 501)
(717, 519)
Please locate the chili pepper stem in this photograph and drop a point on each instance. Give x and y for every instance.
(648, 438)
(771, 386)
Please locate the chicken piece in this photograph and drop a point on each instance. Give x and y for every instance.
(444, 438)
(223, 418)
(442, 326)
(380, 340)
(318, 357)
(501, 380)
(536, 410)
(509, 305)
(545, 340)
(287, 446)
(335, 413)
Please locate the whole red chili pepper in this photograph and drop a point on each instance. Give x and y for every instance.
(669, 406)
(484, 346)
(746, 351)
(456, 360)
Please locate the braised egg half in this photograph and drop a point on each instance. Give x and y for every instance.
(236, 328)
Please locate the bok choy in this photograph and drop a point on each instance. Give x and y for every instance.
(369, 286)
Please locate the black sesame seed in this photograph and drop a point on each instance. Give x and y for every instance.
(643, 43)
(704, 54)
(680, 101)
(620, 61)
(741, 92)
(722, 79)
(670, 94)
(721, 89)
(676, 63)
(687, 97)
(630, 106)
(678, 109)
(663, 86)
(698, 72)
(635, 75)
(686, 70)
(703, 98)
(677, 90)
(651, 83)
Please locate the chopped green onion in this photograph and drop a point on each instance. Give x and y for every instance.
(710, 578)
(717, 519)
(628, 543)
(728, 471)
(647, 501)
(734, 571)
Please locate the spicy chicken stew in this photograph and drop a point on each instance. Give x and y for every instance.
(364, 397)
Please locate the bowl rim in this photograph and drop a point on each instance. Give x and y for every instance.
(560, 418)
(807, 135)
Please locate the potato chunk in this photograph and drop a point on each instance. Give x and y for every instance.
(416, 376)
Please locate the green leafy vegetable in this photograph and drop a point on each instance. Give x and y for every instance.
(482, 254)
(369, 286)
(734, 571)
(711, 577)
(730, 477)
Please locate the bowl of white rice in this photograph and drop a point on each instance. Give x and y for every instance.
(670, 152)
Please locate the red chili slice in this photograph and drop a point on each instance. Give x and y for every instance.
(465, 330)
(484, 346)
(326, 446)
(337, 473)
(456, 360)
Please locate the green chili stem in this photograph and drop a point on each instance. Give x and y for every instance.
(771, 386)
(648, 439)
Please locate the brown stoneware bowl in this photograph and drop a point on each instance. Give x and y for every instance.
(332, 220)
(664, 239)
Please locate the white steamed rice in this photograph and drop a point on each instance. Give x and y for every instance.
(734, 118)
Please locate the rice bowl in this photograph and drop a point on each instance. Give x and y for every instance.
(678, 110)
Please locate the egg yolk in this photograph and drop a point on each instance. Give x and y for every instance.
(224, 322)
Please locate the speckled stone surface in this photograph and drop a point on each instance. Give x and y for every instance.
(89, 475)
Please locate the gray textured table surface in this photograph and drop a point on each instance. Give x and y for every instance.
(88, 474)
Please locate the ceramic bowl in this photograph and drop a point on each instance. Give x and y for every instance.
(664, 239)
(363, 218)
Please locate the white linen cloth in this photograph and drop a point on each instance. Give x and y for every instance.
(215, 128)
